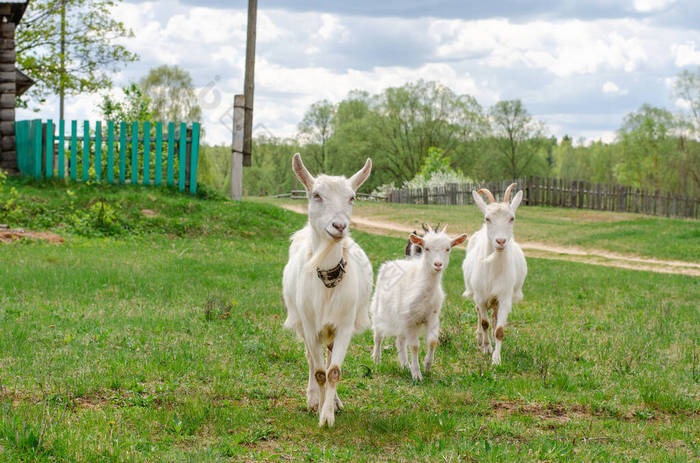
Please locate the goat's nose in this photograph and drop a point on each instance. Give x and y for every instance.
(438, 264)
(339, 226)
(501, 242)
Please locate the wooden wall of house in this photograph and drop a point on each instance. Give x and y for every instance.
(8, 154)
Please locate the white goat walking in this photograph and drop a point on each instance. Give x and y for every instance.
(408, 299)
(495, 268)
(327, 283)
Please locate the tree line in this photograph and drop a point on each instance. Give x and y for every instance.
(654, 149)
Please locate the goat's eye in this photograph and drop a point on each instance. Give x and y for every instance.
(316, 196)
(488, 220)
(427, 249)
(352, 199)
(512, 219)
(447, 250)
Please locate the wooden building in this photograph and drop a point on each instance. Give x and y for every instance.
(13, 82)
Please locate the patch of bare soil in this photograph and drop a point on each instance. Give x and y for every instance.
(555, 412)
(545, 251)
(8, 235)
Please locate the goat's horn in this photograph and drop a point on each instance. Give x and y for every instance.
(444, 230)
(425, 227)
(488, 194)
(506, 195)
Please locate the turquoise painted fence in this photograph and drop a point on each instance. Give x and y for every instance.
(120, 153)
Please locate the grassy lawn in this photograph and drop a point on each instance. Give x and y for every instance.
(624, 233)
(157, 337)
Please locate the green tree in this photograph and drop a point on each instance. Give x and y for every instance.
(649, 150)
(566, 160)
(171, 93)
(687, 88)
(517, 136)
(408, 120)
(134, 106)
(271, 172)
(316, 127)
(69, 47)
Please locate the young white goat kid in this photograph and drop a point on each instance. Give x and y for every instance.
(408, 299)
(495, 268)
(327, 283)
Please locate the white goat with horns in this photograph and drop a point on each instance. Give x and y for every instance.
(327, 283)
(495, 268)
(408, 299)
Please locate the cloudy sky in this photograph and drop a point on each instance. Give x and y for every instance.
(579, 66)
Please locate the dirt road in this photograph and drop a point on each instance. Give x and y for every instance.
(543, 250)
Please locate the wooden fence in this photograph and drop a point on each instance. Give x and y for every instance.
(561, 193)
(127, 150)
(301, 194)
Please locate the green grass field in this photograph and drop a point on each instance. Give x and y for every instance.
(623, 233)
(158, 338)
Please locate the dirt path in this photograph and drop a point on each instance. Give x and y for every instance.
(542, 250)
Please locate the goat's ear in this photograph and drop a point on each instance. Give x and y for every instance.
(516, 201)
(479, 201)
(302, 173)
(459, 240)
(361, 175)
(415, 239)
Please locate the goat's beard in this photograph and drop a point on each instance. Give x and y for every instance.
(321, 255)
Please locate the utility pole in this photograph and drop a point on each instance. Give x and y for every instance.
(62, 82)
(237, 148)
(249, 84)
(242, 142)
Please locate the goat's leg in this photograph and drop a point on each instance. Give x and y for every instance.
(338, 402)
(501, 319)
(414, 345)
(479, 331)
(484, 327)
(377, 354)
(317, 377)
(340, 348)
(401, 350)
(431, 341)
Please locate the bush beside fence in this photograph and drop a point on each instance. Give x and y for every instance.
(560, 193)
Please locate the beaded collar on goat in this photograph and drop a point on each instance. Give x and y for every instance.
(331, 277)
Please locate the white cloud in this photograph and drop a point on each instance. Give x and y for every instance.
(331, 28)
(685, 54)
(564, 48)
(605, 136)
(611, 88)
(682, 103)
(647, 6)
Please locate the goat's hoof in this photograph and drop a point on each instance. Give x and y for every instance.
(417, 376)
(338, 403)
(496, 359)
(486, 349)
(312, 400)
(326, 418)
(377, 358)
(312, 404)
